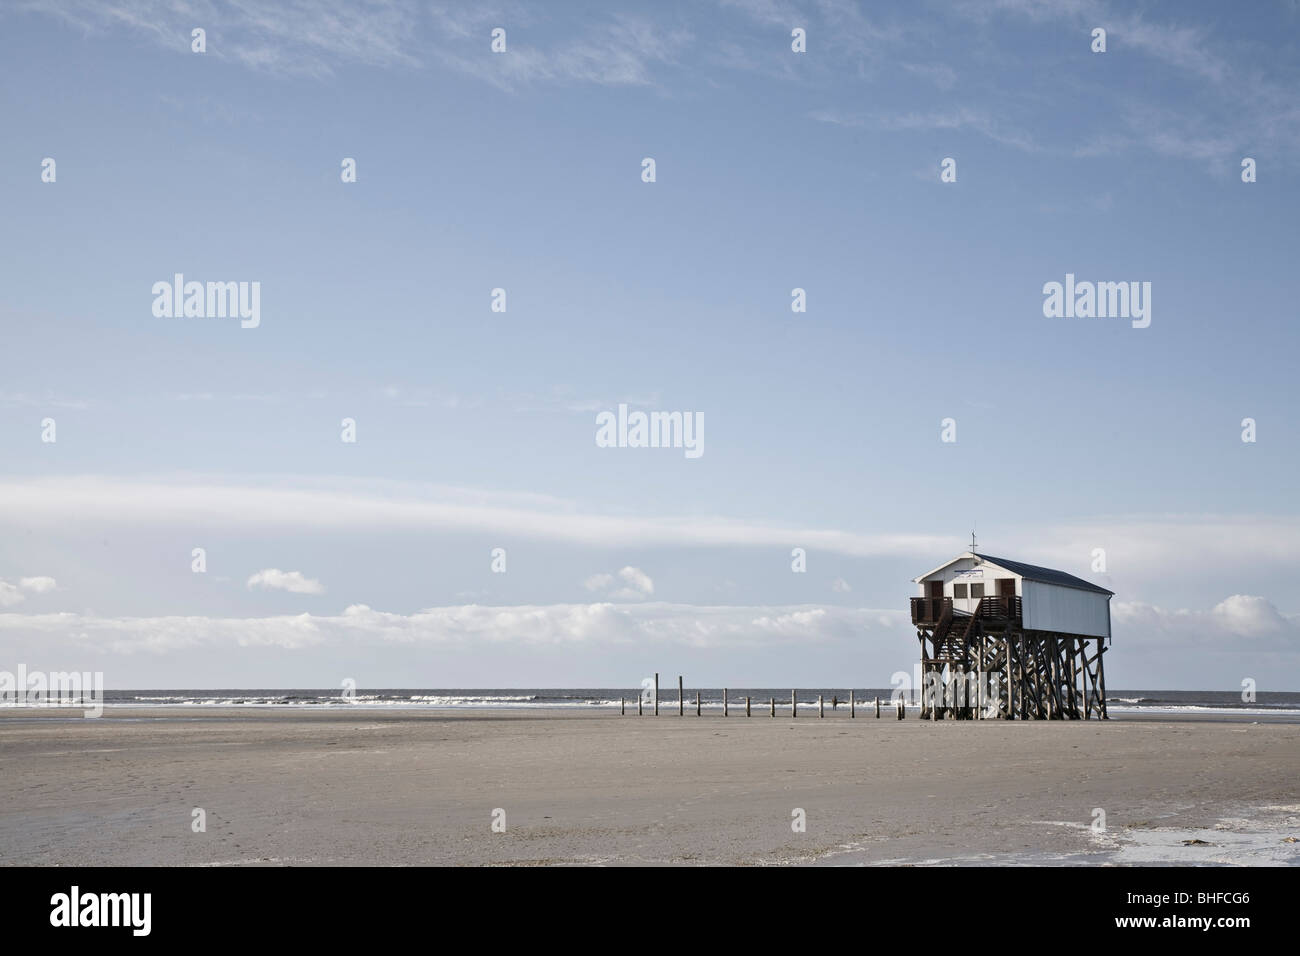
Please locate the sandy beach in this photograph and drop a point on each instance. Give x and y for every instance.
(287, 787)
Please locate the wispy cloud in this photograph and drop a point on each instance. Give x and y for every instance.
(47, 400)
(310, 37)
(386, 507)
(1147, 542)
(622, 50)
(1244, 101)
(958, 119)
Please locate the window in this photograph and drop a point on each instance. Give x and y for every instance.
(977, 590)
(959, 590)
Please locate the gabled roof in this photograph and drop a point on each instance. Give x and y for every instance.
(1030, 572)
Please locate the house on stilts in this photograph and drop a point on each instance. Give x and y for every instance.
(1032, 637)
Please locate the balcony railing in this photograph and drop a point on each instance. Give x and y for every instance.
(930, 610)
(1002, 606)
(934, 610)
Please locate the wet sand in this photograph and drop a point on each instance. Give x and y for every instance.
(358, 786)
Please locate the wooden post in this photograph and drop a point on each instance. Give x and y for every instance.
(1101, 679)
(1074, 677)
(877, 708)
(746, 706)
(639, 699)
(821, 706)
(853, 706)
(1083, 652)
(901, 710)
(1022, 687)
(656, 693)
(622, 706)
(697, 703)
(794, 705)
(773, 705)
(681, 703)
(724, 702)
(1010, 691)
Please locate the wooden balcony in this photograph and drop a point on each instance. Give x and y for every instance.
(1004, 607)
(930, 610)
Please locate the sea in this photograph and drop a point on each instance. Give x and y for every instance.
(1270, 705)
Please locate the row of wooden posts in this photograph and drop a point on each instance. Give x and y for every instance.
(794, 703)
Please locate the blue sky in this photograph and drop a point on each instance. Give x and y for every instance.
(475, 430)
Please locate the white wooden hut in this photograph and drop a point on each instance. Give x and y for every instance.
(1040, 631)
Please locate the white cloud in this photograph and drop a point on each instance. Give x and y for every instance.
(637, 580)
(597, 624)
(386, 506)
(1241, 622)
(274, 579)
(1143, 544)
(11, 594)
(840, 586)
(637, 584)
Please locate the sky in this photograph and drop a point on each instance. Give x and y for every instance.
(476, 429)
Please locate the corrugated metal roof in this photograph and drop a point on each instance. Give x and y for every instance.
(1033, 572)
